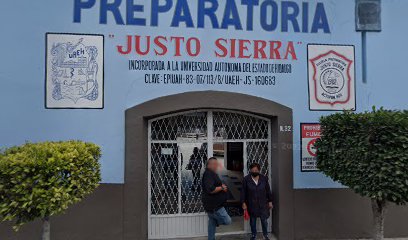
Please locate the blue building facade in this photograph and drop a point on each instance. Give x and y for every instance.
(71, 70)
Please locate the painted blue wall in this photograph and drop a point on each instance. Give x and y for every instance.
(23, 118)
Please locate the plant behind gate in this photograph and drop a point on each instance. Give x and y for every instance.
(39, 180)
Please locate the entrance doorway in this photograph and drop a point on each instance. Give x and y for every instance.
(179, 145)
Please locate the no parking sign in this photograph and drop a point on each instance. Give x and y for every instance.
(310, 132)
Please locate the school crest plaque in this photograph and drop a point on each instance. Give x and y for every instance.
(331, 77)
(74, 77)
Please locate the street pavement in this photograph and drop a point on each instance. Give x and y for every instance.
(246, 237)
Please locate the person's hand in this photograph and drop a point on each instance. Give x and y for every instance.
(225, 187)
(270, 205)
(244, 206)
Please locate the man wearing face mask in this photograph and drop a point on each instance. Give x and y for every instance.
(256, 197)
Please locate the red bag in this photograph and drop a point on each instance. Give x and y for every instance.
(246, 215)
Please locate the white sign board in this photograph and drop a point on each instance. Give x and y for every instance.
(74, 77)
(167, 151)
(331, 70)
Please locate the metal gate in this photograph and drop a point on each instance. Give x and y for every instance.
(175, 208)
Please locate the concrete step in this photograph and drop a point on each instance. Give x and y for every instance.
(234, 237)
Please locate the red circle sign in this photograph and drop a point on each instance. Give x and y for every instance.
(310, 147)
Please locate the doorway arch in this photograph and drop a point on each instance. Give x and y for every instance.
(179, 146)
(136, 187)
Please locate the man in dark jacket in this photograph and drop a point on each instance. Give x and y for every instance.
(214, 196)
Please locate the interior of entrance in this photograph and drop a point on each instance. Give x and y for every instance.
(231, 156)
(179, 146)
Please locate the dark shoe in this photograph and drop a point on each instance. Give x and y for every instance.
(253, 237)
(266, 238)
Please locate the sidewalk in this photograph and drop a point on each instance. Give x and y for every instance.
(246, 237)
(233, 237)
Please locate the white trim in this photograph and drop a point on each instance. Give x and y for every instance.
(210, 134)
(203, 110)
(179, 215)
(245, 158)
(176, 114)
(149, 183)
(214, 140)
(175, 141)
(270, 168)
(239, 140)
(247, 227)
(202, 235)
(180, 178)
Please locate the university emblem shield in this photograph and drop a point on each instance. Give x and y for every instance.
(74, 71)
(331, 77)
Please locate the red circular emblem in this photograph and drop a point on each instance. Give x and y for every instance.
(310, 147)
